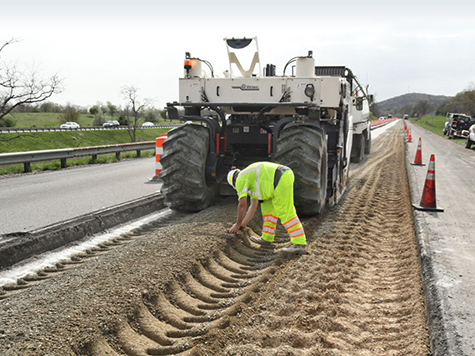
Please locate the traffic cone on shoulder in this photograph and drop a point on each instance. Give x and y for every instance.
(158, 152)
(428, 201)
(409, 136)
(418, 158)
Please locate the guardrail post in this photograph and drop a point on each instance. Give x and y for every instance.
(138, 153)
(27, 167)
(117, 155)
(63, 163)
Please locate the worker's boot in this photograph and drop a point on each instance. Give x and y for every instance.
(295, 249)
(259, 240)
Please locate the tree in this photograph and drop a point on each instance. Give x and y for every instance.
(375, 110)
(112, 109)
(70, 114)
(134, 110)
(463, 102)
(47, 107)
(421, 108)
(99, 118)
(17, 88)
(94, 110)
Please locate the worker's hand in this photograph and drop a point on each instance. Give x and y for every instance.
(234, 229)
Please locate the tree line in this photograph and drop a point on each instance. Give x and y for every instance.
(463, 102)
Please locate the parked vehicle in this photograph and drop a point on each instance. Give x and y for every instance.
(70, 125)
(470, 137)
(312, 120)
(148, 123)
(457, 125)
(111, 123)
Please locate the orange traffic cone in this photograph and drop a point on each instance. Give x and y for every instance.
(418, 158)
(158, 152)
(428, 201)
(409, 136)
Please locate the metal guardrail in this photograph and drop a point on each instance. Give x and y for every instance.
(63, 154)
(85, 128)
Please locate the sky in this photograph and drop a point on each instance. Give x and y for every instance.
(99, 47)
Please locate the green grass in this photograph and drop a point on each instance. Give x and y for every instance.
(68, 139)
(20, 142)
(45, 119)
(436, 125)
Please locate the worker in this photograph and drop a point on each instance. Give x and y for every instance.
(273, 185)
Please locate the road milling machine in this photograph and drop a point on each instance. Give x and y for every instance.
(312, 119)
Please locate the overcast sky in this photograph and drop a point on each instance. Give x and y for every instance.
(98, 47)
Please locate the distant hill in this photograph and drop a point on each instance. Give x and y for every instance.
(409, 100)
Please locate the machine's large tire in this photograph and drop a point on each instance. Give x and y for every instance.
(183, 169)
(304, 150)
(367, 147)
(358, 149)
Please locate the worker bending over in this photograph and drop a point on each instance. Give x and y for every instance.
(273, 185)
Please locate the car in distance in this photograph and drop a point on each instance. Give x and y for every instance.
(111, 123)
(148, 123)
(470, 137)
(70, 125)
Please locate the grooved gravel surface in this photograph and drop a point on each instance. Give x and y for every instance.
(185, 287)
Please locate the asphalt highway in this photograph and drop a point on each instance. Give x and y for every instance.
(32, 201)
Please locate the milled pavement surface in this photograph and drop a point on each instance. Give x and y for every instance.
(446, 240)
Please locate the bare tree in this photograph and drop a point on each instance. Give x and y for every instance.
(422, 107)
(17, 88)
(135, 109)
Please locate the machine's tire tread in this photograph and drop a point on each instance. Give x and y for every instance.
(468, 143)
(183, 169)
(367, 147)
(359, 148)
(304, 149)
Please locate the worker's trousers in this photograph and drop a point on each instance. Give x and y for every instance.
(282, 207)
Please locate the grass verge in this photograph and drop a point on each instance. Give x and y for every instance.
(68, 139)
(14, 142)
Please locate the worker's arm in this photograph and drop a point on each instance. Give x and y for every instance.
(241, 214)
(250, 212)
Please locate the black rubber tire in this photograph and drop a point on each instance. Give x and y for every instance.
(367, 147)
(359, 148)
(304, 150)
(468, 143)
(183, 169)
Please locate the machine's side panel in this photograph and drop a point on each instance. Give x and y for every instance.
(190, 89)
(330, 92)
(244, 90)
